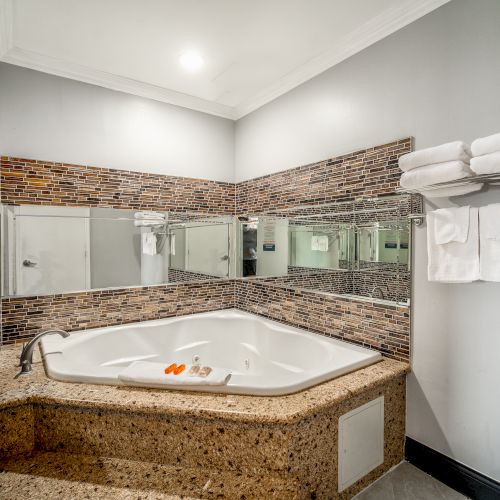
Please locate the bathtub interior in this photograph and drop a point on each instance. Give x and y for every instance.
(263, 356)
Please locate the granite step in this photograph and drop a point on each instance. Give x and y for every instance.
(63, 476)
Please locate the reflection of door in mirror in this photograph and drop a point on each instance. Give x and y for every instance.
(51, 250)
(207, 249)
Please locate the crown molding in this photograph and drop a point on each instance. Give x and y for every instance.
(47, 64)
(370, 32)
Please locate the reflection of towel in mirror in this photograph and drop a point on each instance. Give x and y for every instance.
(490, 242)
(148, 243)
(148, 374)
(149, 215)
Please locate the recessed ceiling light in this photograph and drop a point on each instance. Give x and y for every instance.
(191, 61)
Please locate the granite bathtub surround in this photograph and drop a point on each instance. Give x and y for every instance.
(383, 326)
(187, 444)
(366, 173)
(38, 182)
(24, 317)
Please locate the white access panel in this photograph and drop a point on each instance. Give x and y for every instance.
(361, 442)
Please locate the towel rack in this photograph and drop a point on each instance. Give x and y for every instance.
(484, 179)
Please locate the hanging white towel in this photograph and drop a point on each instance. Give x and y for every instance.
(451, 224)
(149, 374)
(489, 222)
(447, 192)
(486, 145)
(486, 164)
(433, 174)
(148, 243)
(451, 151)
(454, 262)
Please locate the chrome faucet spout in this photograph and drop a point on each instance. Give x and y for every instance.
(380, 290)
(27, 352)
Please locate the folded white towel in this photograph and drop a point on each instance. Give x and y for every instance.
(454, 262)
(451, 224)
(486, 164)
(434, 174)
(451, 151)
(149, 215)
(486, 145)
(489, 221)
(148, 374)
(447, 192)
(148, 223)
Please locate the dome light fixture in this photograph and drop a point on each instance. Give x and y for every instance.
(191, 61)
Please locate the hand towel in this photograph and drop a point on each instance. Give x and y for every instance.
(489, 222)
(434, 174)
(451, 151)
(148, 243)
(486, 145)
(486, 164)
(447, 192)
(451, 224)
(454, 262)
(149, 374)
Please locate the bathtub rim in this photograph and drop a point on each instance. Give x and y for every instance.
(59, 369)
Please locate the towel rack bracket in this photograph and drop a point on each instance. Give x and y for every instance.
(418, 219)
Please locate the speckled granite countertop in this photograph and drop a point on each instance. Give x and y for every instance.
(38, 388)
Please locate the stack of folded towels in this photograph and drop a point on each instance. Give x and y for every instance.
(445, 163)
(486, 151)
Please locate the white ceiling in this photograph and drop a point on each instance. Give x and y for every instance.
(254, 50)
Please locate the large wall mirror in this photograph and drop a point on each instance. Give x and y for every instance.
(352, 248)
(51, 249)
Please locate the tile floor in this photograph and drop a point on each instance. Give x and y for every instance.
(406, 482)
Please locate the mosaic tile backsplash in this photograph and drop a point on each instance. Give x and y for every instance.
(367, 173)
(38, 182)
(24, 317)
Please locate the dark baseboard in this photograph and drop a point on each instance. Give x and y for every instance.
(461, 478)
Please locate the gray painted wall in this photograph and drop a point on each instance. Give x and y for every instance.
(50, 118)
(437, 80)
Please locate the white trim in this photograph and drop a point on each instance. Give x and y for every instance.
(372, 31)
(66, 69)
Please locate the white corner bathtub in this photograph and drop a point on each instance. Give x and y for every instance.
(266, 358)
